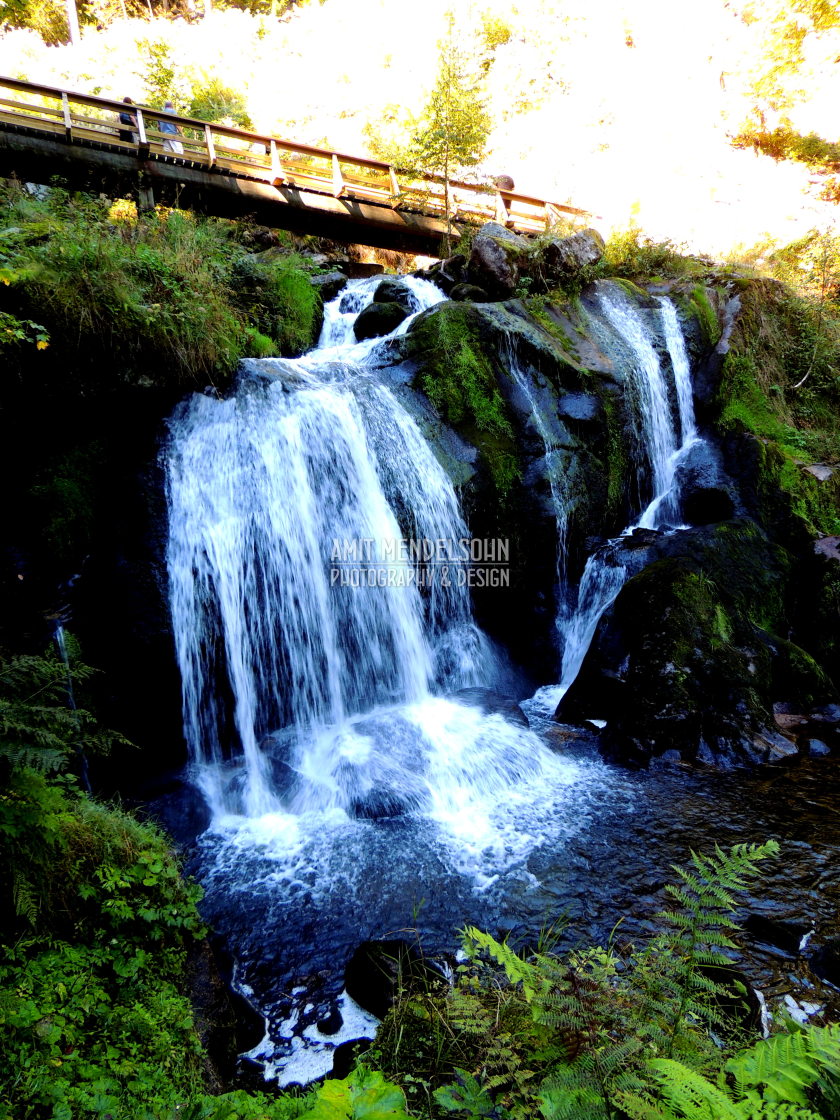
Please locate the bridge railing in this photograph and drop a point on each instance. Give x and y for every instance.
(287, 165)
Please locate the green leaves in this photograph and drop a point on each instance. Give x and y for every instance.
(364, 1095)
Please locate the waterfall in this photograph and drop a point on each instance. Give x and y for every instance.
(667, 430)
(308, 642)
(321, 667)
(561, 497)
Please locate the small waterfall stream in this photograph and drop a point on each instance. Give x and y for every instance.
(667, 430)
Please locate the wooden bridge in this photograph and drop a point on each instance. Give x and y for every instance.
(48, 133)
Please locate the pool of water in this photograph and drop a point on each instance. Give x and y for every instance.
(590, 846)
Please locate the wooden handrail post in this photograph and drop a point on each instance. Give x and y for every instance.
(277, 176)
(143, 145)
(68, 120)
(395, 186)
(338, 182)
(211, 150)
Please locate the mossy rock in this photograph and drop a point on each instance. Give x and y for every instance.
(378, 319)
(688, 658)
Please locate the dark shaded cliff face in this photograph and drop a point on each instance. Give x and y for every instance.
(84, 539)
(716, 623)
(522, 401)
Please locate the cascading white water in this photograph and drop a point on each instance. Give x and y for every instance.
(306, 647)
(561, 497)
(315, 707)
(667, 429)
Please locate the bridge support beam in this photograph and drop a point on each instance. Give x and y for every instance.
(108, 170)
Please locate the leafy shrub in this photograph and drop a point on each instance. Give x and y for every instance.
(574, 1036)
(157, 300)
(630, 253)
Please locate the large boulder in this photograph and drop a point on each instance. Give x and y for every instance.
(379, 970)
(378, 319)
(687, 659)
(566, 255)
(496, 259)
(394, 290)
(328, 284)
(446, 274)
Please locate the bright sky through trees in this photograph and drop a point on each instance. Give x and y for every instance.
(626, 107)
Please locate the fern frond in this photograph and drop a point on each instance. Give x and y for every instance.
(516, 969)
(691, 1095)
(787, 1064)
(24, 898)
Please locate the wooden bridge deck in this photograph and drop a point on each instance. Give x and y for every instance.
(47, 132)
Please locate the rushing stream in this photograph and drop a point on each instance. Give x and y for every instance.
(357, 788)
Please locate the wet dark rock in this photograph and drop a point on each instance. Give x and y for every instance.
(579, 406)
(495, 259)
(346, 1056)
(446, 274)
(786, 936)
(394, 290)
(379, 804)
(378, 319)
(471, 292)
(678, 664)
(707, 493)
(180, 808)
(329, 284)
(825, 962)
(817, 748)
(490, 702)
(827, 714)
(706, 506)
(360, 270)
(378, 970)
(226, 1024)
(331, 1023)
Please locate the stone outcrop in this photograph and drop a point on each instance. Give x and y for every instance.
(563, 256)
(378, 319)
(496, 259)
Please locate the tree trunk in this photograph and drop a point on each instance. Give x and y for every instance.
(72, 22)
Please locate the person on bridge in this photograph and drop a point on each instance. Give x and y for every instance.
(170, 127)
(126, 134)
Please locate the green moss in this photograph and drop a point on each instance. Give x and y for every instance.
(775, 385)
(459, 378)
(798, 679)
(616, 455)
(164, 300)
(258, 345)
(698, 304)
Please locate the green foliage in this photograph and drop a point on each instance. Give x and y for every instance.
(451, 132)
(213, 101)
(780, 383)
(39, 728)
(14, 331)
(629, 253)
(91, 1019)
(161, 74)
(768, 1081)
(365, 1095)
(158, 300)
(460, 381)
(575, 1036)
